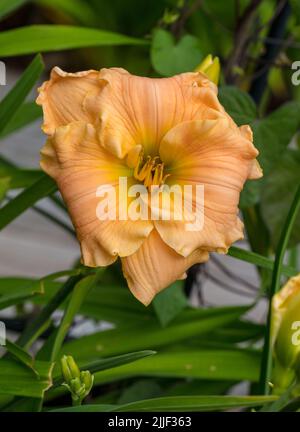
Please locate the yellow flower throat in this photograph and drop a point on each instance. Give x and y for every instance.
(149, 170)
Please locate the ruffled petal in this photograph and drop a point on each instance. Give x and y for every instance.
(218, 156)
(69, 97)
(137, 110)
(155, 266)
(255, 171)
(74, 157)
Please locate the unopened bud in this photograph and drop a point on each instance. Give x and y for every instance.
(211, 68)
(78, 383)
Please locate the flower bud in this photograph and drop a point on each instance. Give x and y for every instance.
(285, 334)
(69, 368)
(210, 67)
(87, 379)
(78, 383)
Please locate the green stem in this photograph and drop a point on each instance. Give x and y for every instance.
(266, 366)
(76, 402)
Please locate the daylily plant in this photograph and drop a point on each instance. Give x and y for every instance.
(107, 124)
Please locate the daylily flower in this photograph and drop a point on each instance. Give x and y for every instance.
(110, 124)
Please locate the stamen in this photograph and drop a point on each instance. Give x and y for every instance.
(150, 172)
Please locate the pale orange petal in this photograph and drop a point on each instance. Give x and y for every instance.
(216, 155)
(155, 266)
(74, 157)
(255, 171)
(139, 111)
(69, 97)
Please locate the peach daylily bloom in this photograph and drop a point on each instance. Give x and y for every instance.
(110, 124)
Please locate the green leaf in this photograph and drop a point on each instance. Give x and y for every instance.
(4, 186)
(78, 10)
(79, 293)
(198, 387)
(239, 105)
(231, 365)
(273, 134)
(259, 260)
(169, 58)
(296, 9)
(115, 304)
(28, 286)
(8, 6)
(271, 137)
(40, 189)
(18, 178)
(25, 404)
(45, 38)
(18, 352)
(18, 380)
(169, 303)
(140, 389)
(238, 331)
(110, 363)
(213, 365)
(31, 333)
(27, 113)
(151, 335)
(250, 194)
(22, 290)
(13, 100)
(278, 193)
(178, 404)
(14, 299)
(195, 403)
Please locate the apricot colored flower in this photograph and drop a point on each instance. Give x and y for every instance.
(110, 124)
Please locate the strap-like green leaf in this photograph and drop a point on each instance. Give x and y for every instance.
(12, 101)
(178, 404)
(40, 189)
(18, 380)
(259, 260)
(8, 6)
(43, 38)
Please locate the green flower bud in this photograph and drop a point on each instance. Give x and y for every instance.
(285, 334)
(69, 368)
(88, 379)
(78, 383)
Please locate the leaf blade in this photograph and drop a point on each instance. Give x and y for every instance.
(12, 101)
(46, 38)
